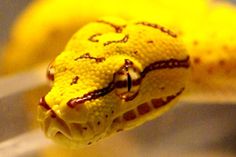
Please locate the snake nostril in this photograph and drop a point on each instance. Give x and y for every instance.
(50, 72)
(43, 103)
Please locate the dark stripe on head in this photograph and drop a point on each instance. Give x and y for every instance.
(161, 28)
(167, 64)
(111, 86)
(87, 56)
(124, 40)
(92, 38)
(118, 29)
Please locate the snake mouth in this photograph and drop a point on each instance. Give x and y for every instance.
(71, 134)
(142, 113)
(77, 134)
(68, 133)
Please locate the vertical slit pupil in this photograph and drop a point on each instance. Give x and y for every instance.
(129, 81)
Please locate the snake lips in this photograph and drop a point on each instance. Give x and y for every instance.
(112, 76)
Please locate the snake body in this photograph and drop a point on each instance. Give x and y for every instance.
(114, 75)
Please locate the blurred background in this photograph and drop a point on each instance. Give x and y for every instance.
(9, 10)
(190, 129)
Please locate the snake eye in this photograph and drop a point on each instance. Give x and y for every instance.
(127, 81)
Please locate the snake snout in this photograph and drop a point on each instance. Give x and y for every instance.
(76, 133)
(72, 132)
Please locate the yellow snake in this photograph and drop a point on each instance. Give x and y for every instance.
(114, 75)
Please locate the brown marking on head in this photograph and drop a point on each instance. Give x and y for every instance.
(161, 28)
(143, 108)
(93, 37)
(165, 64)
(87, 56)
(74, 80)
(118, 29)
(78, 103)
(170, 97)
(123, 40)
(157, 103)
(130, 115)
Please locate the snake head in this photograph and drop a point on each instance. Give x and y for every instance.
(113, 75)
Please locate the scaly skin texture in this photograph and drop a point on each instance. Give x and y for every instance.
(207, 32)
(112, 76)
